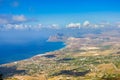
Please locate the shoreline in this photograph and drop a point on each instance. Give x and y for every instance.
(38, 55)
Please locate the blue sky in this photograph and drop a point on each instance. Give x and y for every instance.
(59, 11)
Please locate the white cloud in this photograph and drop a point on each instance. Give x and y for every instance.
(40, 26)
(86, 23)
(95, 26)
(102, 25)
(19, 18)
(73, 25)
(13, 19)
(19, 27)
(54, 26)
(14, 26)
(8, 26)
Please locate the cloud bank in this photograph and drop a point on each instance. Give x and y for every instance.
(19, 18)
(73, 25)
(13, 19)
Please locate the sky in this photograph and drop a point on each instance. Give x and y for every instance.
(58, 11)
(24, 15)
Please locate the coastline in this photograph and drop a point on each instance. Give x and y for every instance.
(38, 55)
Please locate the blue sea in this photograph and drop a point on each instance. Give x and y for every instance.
(15, 52)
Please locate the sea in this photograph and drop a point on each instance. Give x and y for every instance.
(15, 52)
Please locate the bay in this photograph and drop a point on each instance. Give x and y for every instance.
(15, 52)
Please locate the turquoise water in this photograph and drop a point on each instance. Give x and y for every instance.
(15, 52)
